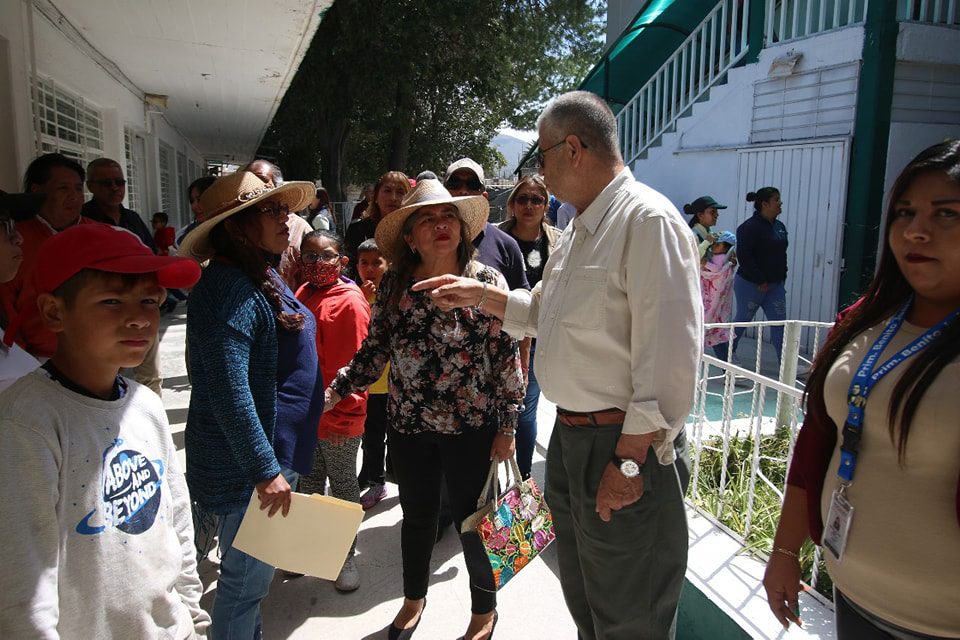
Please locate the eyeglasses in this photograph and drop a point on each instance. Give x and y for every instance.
(524, 200)
(472, 184)
(110, 182)
(309, 257)
(9, 227)
(543, 152)
(274, 209)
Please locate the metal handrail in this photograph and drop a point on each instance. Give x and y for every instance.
(717, 44)
(723, 437)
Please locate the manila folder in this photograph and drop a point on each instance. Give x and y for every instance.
(314, 538)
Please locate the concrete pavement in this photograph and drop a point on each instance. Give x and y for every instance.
(531, 606)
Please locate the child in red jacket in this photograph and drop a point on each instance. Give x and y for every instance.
(342, 316)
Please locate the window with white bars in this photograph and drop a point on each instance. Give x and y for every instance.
(167, 195)
(68, 124)
(134, 149)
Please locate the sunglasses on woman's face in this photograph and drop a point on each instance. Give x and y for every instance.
(274, 209)
(524, 200)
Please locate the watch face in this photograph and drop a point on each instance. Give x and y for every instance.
(630, 468)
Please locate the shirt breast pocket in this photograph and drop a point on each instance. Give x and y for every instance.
(584, 297)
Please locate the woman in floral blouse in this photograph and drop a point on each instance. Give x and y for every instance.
(455, 384)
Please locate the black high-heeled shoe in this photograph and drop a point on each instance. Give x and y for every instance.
(396, 633)
(493, 627)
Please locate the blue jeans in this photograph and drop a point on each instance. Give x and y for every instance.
(527, 421)
(750, 298)
(244, 582)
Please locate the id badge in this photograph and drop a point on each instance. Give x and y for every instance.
(837, 525)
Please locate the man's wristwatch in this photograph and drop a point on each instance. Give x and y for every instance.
(629, 467)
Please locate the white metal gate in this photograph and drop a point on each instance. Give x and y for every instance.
(812, 179)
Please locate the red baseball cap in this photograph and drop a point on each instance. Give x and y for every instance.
(107, 248)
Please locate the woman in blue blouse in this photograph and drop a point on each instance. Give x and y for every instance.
(762, 255)
(455, 385)
(257, 392)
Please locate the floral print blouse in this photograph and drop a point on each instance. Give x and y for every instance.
(449, 371)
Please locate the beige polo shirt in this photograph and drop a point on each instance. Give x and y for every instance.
(902, 559)
(618, 315)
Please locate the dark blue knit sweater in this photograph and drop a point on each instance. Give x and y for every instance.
(231, 333)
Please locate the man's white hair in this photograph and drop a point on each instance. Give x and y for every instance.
(586, 116)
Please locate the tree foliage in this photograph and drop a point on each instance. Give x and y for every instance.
(414, 84)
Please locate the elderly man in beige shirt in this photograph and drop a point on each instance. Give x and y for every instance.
(619, 324)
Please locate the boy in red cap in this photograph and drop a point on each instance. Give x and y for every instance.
(98, 533)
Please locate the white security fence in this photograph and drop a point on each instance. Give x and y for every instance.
(946, 12)
(792, 19)
(716, 45)
(743, 430)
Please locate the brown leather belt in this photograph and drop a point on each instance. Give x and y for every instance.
(602, 418)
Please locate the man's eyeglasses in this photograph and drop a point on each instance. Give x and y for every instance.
(9, 227)
(543, 152)
(309, 257)
(524, 200)
(472, 184)
(274, 209)
(110, 182)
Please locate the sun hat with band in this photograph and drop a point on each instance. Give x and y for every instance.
(473, 209)
(105, 248)
(236, 192)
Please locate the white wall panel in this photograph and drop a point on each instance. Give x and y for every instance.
(812, 179)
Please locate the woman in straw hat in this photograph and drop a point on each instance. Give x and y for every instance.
(257, 394)
(455, 385)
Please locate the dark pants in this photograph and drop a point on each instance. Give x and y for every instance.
(374, 441)
(750, 299)
(421, 463)
(527, 421)
(853, 623)
(621, 579)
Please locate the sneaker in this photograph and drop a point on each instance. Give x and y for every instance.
(349, 578)
(374, 494)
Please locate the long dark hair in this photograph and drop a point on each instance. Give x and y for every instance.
(231, 240)
(408, 261)
(390, 176)
(760, 196)
(887, 293)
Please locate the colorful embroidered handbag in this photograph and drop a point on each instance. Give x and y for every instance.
(507, 532)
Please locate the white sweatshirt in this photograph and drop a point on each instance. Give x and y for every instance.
(95, 522)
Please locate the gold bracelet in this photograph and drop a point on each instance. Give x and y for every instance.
(786, 552)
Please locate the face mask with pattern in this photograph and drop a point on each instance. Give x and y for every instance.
(322, 274)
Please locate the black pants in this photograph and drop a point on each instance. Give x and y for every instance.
(374, 441)
(853, 624)
(421, 462)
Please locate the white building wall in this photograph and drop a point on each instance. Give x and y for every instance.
(61, 60)
(926, 88)
(700, 157)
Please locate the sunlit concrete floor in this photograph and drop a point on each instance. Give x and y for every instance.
(530, 607)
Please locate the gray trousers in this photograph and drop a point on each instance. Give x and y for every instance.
(621, 579)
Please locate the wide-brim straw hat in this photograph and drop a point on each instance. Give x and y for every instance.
(473, 209)
(236, 192)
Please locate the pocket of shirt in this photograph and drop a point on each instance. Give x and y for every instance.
(584, 298)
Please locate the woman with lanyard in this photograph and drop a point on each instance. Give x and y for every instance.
(527, 206)
(875, 471)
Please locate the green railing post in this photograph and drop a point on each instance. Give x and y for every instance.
(756, 23)
(868, 160)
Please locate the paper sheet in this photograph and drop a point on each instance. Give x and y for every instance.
(313, 539)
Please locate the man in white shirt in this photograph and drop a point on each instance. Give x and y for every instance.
(619, 323)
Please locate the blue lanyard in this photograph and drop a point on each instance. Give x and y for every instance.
(868, 375)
